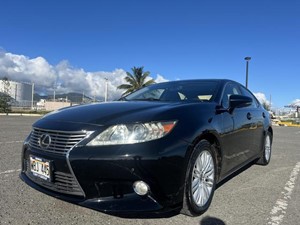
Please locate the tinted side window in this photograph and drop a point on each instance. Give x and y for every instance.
(247, 93)
(153, 94)
(230, 89)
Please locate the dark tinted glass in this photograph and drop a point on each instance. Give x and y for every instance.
(230, 89)
(177, 91)
(248, 94)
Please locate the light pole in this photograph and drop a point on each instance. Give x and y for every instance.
(54, 91)
(105, 96)
(32, 95)
(247, 65)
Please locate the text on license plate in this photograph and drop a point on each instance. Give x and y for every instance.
(40, 167)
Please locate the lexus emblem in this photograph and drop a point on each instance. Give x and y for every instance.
(44, 140)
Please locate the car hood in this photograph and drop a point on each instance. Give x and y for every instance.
(111, 113)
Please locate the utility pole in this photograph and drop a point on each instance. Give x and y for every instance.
(106, 89)
(54, 89)
(16, 91)
(32, 95)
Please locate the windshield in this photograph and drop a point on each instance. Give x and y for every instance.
(176, 91)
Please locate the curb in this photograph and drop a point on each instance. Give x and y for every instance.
(19, 114)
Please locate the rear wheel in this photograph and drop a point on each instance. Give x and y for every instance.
(200, 180)
(266, 155)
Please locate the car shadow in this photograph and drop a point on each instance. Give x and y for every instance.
(211, 221)
(147, 215)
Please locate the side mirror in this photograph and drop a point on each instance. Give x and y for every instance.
(239, 101)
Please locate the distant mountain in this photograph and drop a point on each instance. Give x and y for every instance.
(37, 97)
(72, 96)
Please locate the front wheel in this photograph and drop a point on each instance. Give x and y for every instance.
(267, 150)
(200, 180)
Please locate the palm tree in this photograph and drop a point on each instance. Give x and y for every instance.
(136, 80)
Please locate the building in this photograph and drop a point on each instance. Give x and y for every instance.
(20, 92)
(50, 105)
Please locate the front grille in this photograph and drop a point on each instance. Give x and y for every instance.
(61, 182)
(61, 141)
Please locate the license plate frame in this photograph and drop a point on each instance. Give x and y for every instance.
(40, 167)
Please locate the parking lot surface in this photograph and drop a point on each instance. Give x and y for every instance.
(259, 195)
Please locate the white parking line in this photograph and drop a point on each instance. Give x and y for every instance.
(10, 142)
(10, 171)
(279, 210)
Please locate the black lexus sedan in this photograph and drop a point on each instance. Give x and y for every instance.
(162, 148)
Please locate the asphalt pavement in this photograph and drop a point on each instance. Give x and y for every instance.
(259, 195)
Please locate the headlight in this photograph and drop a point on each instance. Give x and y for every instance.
(132, 133)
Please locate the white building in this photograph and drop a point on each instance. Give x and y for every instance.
(20, 92)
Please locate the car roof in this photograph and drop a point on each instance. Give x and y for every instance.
(203, 80)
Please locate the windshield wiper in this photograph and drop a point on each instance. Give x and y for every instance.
(144, 99)
(122, 99)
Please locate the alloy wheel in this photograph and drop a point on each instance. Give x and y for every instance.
(268, 148)
(203, 178)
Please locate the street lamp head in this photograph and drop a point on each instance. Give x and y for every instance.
(247, 58)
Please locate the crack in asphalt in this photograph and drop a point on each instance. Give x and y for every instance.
(10, 171)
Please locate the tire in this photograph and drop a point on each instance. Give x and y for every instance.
(200, 180)
(267, 150)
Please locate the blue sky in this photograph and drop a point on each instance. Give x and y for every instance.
(175, 39)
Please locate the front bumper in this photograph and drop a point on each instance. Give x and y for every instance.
(128, 204)
(101, 178)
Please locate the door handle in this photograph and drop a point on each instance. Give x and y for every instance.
(249, 116)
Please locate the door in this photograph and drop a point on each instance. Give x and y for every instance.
(237, 137)
(257, 119)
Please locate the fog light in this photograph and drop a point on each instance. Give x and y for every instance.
(140, 187)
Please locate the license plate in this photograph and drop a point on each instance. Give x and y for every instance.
(40, 167)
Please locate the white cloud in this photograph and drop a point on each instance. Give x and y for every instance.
(20, 67)
(261, 97)
(296, 102)
(160, 79)
(62, 76)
